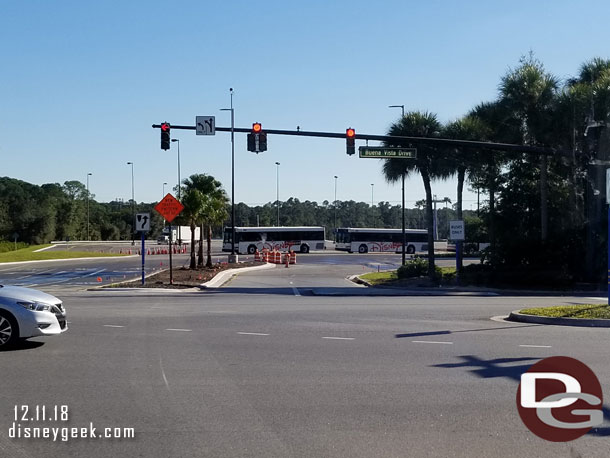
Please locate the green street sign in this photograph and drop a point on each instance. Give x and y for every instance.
(378, 152)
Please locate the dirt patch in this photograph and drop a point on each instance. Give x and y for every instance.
(183, 277)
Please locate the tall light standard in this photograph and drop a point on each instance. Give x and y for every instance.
(402, 107)
(179, 185)
(336, 206)
(372, 211)
(278, 192)
(233, 256)
(88, 175)
(404, 232)
(133, 205)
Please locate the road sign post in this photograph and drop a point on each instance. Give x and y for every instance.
(457, 234)
(143, 226)
(169, 208)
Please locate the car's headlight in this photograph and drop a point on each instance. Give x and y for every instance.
(36, 306)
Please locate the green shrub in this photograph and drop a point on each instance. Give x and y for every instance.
(416, 268)
(6, 246)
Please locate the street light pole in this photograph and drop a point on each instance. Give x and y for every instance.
(404, 232)
(133, 204)
(336, 206)
(402, 107)
(164, 183)
(88, 175)
(372, 212)
(179, 186)
(278, 192)
(233, 256)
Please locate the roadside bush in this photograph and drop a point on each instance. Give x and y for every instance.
(416, 268)
(10, 246)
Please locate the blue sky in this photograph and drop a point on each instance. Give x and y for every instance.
(82, 83)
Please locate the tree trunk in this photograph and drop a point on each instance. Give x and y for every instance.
(209, 242)
(544, 212)
(430, 224)
(492, 202)
(460, 190)
(200, 248)
(193, 263)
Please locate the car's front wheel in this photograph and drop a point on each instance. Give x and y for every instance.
(9, 330)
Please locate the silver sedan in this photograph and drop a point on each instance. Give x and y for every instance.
(26, 312)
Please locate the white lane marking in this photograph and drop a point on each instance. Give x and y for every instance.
(252, 334)
(432, 342)
(536, 346)
(178, 329)
(163, 373)
(113, 326)
(339, 338)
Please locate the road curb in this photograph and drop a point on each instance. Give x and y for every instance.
(479, 290)
(226, 275)
(400, 291)
(582, 322)
(69, 259)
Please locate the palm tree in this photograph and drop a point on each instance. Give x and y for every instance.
(214, 214)
(427, 163)
(193, 202)
(501, 127)
(214, 209)
(529, 92)
(467, 160)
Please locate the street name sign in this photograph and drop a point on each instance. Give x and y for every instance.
(169, 207)
(205, 125)
(379, 152)
(456, 231)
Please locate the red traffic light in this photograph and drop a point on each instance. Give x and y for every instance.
(257, 127)
(350, 133)
(165, 126)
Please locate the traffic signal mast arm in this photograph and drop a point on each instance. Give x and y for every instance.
(391, 139)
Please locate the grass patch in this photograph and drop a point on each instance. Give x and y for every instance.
(391, 278)
(27, 254)
(380, 278)
(571, 311)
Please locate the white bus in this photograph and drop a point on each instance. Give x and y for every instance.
(298, 238)
(364, 240)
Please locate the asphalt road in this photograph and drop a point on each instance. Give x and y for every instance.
(292, 362)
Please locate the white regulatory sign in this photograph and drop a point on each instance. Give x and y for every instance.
(456, 231)
(142, 222)
(205, 125)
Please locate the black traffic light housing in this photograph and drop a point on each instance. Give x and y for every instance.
(350, 139)
(165, 135)
(257, 139)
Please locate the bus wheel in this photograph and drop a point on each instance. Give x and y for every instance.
(410, 249)
(304, 249)
(363, 249)
(251, 249)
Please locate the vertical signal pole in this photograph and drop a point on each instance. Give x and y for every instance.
(233, 255)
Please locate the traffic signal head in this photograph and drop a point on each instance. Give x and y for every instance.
(262, 141)
(350, 137)
(257, 127)
(165, 137)
(251, 143)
